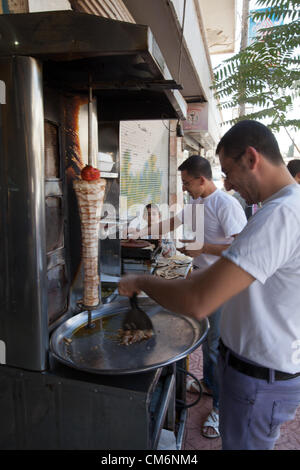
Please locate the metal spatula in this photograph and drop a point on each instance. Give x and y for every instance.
(136, 318)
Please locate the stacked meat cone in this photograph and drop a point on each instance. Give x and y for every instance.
(90, 196)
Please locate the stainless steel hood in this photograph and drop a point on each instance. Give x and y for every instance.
(121, 61)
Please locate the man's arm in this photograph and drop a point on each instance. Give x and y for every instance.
(197, 296)
(165, 226)
(207, 249)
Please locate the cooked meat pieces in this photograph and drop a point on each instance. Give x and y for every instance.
(127, 337)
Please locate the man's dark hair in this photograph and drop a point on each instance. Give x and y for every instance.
(294, 166)
(248, 133)
(197, 166)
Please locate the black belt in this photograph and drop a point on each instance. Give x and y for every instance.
(250, 369)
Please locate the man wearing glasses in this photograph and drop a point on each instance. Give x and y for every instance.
(224, 219)
(257, 282)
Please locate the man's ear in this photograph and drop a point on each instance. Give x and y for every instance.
(297, 177)
(253, 157)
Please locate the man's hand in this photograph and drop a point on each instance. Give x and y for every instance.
(192, 253)
(206, 249)
(188, 251)
(128, 285)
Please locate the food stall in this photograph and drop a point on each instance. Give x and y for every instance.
(70, 78)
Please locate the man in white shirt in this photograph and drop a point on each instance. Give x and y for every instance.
(224, 218)
(257, 279)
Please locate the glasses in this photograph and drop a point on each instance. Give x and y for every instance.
(225, 173)
(187, 183)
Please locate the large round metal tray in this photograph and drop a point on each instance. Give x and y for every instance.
(99, 351)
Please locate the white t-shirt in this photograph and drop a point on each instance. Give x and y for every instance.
(223, 218)
(262, 323)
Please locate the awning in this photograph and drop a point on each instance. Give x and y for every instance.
(161, 16)
(121, 61)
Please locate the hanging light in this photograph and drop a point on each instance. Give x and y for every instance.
(179, 129)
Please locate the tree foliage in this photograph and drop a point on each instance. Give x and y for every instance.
(266, 74)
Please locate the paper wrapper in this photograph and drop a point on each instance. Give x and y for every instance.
(90, 196)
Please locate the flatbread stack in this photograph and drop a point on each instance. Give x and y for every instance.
(172, 270)
(90, 196)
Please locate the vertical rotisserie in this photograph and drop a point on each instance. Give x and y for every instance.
(90, 191)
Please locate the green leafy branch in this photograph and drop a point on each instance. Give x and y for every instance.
(266, 74)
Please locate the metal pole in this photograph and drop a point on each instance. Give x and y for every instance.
(244, 43)
(90, 127)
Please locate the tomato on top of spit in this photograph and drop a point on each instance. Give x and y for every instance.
(89, 173)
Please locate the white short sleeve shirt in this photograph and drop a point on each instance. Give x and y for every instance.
(262, 323)
(223, 218)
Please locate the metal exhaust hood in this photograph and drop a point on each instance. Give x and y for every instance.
(121, 61)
